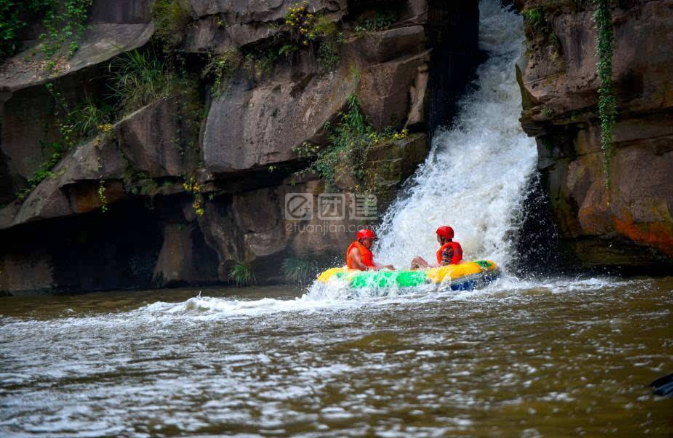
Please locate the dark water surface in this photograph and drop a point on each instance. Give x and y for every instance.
(564, 358)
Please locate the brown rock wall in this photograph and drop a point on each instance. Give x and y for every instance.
(605, 227)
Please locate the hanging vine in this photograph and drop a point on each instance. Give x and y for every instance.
(607, 103)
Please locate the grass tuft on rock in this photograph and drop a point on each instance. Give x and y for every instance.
(242, 275)
(300, 269)
(139, 80)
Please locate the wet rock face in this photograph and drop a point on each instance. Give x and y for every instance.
(629, 226)
(242, 156)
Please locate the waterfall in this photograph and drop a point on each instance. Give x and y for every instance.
(475, 176)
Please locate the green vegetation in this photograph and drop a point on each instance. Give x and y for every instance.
(54, 150)
(300, 270)
(101, 196)
(242, 275)
(171, 18)
(607, 103)
(304, 27)
(13, 14)
(75, 124)
(191, 185)
(140, 79)
(349, 144)
(380, 21)
(222, 67)
(63, 21)
(534, 18)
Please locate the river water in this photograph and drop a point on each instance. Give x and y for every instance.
(559, 358)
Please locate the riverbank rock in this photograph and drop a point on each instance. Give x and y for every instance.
(628, 225)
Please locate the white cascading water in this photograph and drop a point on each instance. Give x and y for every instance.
(475, 176)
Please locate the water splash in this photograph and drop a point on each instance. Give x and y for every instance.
(475, 176)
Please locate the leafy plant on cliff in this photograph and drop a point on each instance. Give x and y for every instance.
(65, 20)
(222, 68)
(607, 103)
(62, 20)
(192, 186)
(242, 275)
(348, 147)
(171, 18)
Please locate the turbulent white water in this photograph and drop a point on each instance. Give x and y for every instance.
(475, 176)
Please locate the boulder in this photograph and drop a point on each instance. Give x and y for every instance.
(143, 142)
(22, 273)
(151, 140)
(385, 90)
(251, 128)
(175, 263)
(221, 234)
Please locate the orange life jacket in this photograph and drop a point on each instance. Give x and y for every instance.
(365, 255)
(457, 252)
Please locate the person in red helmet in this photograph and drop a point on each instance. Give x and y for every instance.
(450, 252)
(359, 254)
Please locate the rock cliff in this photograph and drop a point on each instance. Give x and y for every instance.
(628, 225)
(185, 176)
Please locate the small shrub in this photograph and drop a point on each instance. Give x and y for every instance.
(305, 27)
(191, 185)
(349, 144)
(300, 270)
(171, 18)
(242, 275)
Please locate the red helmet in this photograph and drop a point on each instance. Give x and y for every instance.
(365, 234)
(445, 232)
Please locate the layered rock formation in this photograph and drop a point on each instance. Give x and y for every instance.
(158, 229)
(629, 225)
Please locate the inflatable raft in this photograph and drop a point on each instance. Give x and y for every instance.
(464, 276)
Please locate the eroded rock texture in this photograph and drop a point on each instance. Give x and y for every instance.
(630, 225)
(238, 146)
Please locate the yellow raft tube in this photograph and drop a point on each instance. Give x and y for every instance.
(464, 276)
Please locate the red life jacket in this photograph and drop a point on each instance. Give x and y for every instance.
(457, 253)
(365, 255)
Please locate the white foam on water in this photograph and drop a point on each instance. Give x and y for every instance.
(475, 176)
